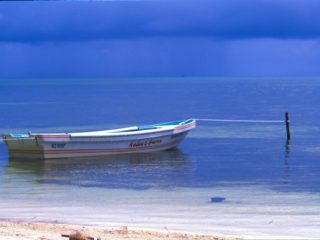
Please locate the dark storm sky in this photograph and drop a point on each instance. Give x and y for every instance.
(160, 38)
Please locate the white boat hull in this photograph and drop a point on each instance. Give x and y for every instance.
(51, 146)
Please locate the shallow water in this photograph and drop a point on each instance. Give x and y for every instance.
(270, 187)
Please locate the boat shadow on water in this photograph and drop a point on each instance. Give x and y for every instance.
(137, 171)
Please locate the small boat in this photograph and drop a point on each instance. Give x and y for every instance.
(138, 139)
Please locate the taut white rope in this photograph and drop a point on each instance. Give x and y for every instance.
(238, 120)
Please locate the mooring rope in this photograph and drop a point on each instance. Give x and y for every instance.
(238, 120)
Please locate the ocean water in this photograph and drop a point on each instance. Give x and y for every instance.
(270, 188)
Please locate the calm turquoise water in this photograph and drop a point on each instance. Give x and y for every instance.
(264, 180)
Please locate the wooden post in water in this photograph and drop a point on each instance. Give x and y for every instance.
(287, 121)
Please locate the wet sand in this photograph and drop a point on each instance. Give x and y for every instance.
(54, 231)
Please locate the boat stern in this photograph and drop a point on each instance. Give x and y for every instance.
(20, 145)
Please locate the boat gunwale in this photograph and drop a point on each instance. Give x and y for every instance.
(112, 133)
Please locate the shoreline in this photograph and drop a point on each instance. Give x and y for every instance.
(18, 230)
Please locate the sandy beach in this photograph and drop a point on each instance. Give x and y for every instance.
(54, 231)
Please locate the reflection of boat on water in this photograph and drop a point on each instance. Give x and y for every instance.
(138, 170)
(137, 139)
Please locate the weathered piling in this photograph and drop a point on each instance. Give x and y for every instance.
(287, 122)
